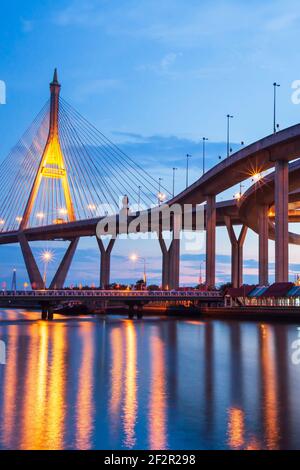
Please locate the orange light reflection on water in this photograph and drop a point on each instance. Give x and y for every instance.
(85, 404)
(158, 406)
(116, 347)
(10, 385)
(269, 387)
(236, 428)
(130, 398)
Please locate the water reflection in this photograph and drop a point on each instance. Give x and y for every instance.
(116, 379)
(269, 386)
(114, 383)
(130, 392)
(158, 399)
(236, 428)
(85, 400)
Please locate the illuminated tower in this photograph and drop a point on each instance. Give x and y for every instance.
(52, 164)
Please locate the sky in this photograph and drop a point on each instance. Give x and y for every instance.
(155, 77)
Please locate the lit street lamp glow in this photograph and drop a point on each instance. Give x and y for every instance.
(46, 256)
(134, 257)
(256, 177)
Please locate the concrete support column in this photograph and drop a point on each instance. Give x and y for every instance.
(241, 241)
(174, 263)
(237, 245)
(210, 241)
(34, 274)
(281, 221)
(174, 250)
(171, 257)
(105, 262)
(165, 262)
(263, 241)
(62, 272)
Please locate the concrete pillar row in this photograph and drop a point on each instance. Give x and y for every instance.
(281, 221)
(210, 280)
(263, 242)
(237, 245)
(105, 262)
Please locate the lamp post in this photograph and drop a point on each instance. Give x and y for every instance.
(173, 189)
(188, 156)
(139, 197)
(47, 257)
(134, 258)
(160, 195)
(228, 133)
(200, 274)
(204, 139)
(275, 86)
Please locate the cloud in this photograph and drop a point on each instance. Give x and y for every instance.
(164, 66)
(283, 22)
(79, 13)
(26, 25)
(93, 87)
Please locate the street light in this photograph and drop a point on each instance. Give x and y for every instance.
(256, 177)
(46, 256)
(134, 257)
(173, 191)
(204, 139)
(228, 136)
(188, 156)
(200, 274)
(160, 195)
(139, 197)
(275, 86)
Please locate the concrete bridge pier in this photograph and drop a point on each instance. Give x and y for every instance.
(174, 263)
(210, 280)
(105, 261)
(171, 257)
(47, 311)
(31, 266)
(237, 244)
(165, 261)
(62, 272)
(170, 263)
(281, 221)
(44, 312)
(263, 239)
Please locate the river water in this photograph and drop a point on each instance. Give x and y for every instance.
(156, 383)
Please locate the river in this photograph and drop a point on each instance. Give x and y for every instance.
(155, 383)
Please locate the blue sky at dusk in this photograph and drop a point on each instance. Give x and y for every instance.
(154, 76)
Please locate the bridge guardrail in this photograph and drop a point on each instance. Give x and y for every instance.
(109, 293)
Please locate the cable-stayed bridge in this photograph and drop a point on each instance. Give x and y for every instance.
(64, 176)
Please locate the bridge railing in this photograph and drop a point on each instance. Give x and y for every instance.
(109, 293)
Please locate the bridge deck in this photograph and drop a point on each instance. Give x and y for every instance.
(92, 295)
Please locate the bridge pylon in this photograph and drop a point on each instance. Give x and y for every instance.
(52, 164)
